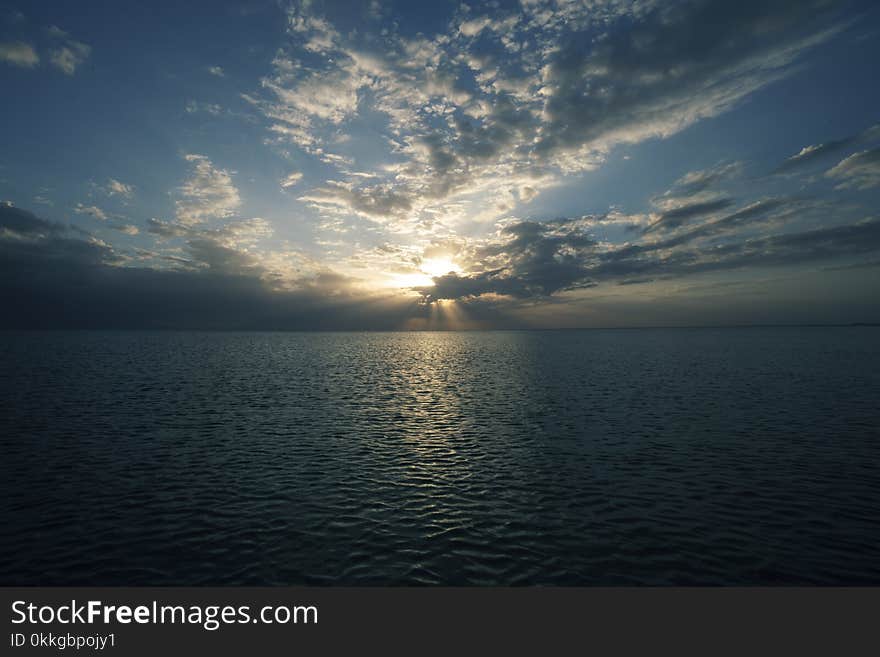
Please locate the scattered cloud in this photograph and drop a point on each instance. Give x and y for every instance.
(817, 152)
(372, 201)
(699, 182)
(657, 79)
(167, 229)
(474, 26)
(504, 105)
(19, 53)
(207, 194)
(90, 210)
(681, 214)
(69, 54)
(115, 187)
(291, 179)
(812, 153)
(194, 107)
(128, 229)
(858, 171)
(415, 150)
(528, 259)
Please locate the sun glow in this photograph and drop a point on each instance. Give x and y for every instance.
(434, 267)
(416, 279)
(429, 269)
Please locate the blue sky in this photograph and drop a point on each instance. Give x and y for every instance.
(393, 165)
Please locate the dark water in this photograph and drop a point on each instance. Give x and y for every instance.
(728, 456)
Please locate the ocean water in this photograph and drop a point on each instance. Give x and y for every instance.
(650, 457)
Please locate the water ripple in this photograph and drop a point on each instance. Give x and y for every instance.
(578, 457)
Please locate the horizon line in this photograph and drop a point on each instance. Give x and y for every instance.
(436, 330)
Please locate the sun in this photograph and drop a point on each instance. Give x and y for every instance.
(429, 269)
(434, 267)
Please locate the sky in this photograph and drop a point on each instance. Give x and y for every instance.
(402, 165)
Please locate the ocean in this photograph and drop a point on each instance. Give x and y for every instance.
(739, 456)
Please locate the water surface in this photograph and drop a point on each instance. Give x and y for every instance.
(676, 456)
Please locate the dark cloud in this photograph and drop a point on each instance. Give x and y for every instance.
(33, 247)
(50, 278)
(25, 223)
(380, 201)
(680, 215)
(815, 153)
(754, 212)
(697, 182)
(538, 260)
(635, 281)
(750, 213)
(506, 124)
(533, 259)
(686, 61)
(774, 250)
(222, 259)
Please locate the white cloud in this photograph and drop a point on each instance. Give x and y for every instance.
(858, 171)
(208, 194)
(331, 97)
(116, 188)
(217, 70)
(69, 54)
(194, 107)
(241, 234)
(474, 26)
(291, 179)
(469, 133)
(90, 210)
(19, 53)
(527, 193)
(430, 138)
